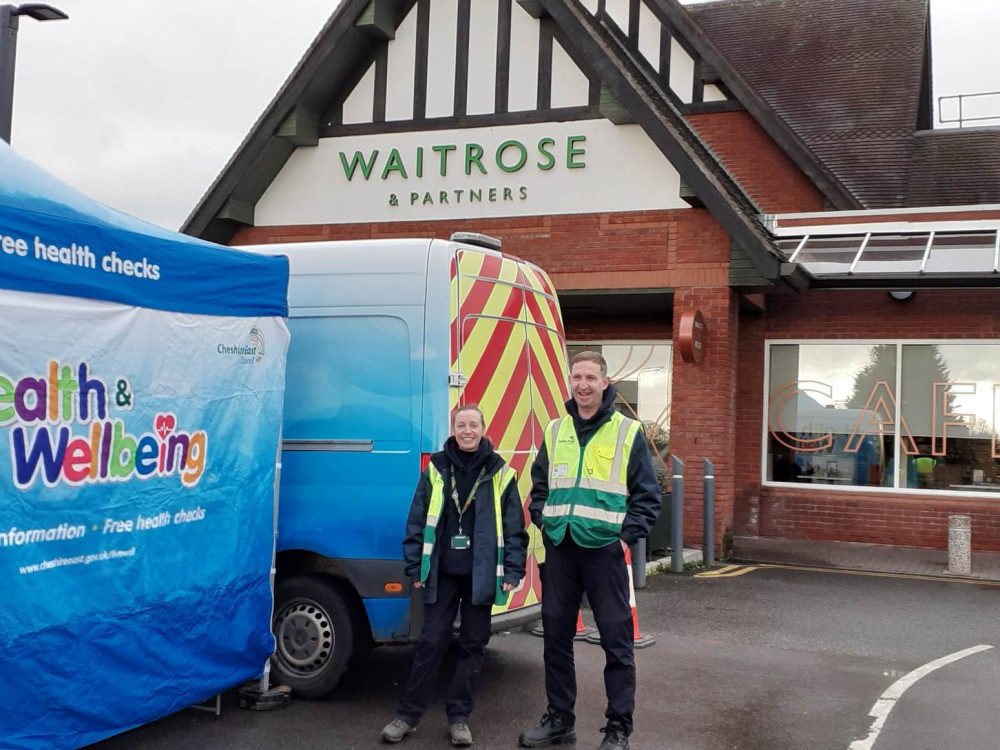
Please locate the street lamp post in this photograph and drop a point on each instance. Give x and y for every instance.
(9, 17)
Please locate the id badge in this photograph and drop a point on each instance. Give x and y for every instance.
(460, 541)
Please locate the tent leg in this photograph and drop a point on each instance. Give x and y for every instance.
(260, 696)
(216, 709)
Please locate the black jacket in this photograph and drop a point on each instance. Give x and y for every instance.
(644, 496)
(484, 544)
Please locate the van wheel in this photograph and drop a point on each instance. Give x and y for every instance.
(314, 635)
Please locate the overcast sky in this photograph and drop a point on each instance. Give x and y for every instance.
(140, 104)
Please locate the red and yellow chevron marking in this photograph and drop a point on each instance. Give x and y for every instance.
(508, 340)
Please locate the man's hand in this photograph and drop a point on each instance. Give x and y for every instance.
(624, 546)
(417, 585)
(508, 587)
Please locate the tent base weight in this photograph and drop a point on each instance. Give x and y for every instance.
(253, 698)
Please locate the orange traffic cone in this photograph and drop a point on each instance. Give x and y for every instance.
(582, 631)
(638, 639)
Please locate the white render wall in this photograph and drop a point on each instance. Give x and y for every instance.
(569, 84)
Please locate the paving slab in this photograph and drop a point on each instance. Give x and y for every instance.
(881, 558)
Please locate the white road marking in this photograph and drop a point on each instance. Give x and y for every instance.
(880, 711)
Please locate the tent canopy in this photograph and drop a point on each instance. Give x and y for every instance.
(55, 240)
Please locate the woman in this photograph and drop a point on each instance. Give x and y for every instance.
(464, 547)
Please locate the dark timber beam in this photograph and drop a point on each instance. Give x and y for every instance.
(796, 276)
(643, 97)
(534, 7)
(689, 196)
(706, 73)
(611, 108)
(300, 128)
(378, 20)
(238, 211)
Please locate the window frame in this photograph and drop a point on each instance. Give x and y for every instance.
(899, 343)
(668, 343)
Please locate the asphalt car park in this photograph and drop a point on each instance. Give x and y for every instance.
(746, 658)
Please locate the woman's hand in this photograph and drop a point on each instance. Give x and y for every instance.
(417, 585)
(508, 587)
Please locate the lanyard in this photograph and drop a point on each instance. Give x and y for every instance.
(454, 495)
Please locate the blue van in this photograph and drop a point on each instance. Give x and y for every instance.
(387, 337)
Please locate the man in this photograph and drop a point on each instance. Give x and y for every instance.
(594, 492)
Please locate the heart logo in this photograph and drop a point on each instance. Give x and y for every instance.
(165, 424)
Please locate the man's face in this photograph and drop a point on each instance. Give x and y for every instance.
(468, 430)
(588, 384)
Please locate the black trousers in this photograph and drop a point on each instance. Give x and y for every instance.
(568, 572)
(474, 634)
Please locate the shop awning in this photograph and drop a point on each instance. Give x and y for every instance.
(953, 252)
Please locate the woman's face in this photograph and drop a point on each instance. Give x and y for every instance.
(468, 430)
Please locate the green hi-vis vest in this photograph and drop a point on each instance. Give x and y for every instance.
(501, 479)
(588, 490)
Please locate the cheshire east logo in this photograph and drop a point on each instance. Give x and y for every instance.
(250, 352)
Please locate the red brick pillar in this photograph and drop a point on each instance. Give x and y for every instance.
(749, 397)
(703, 408)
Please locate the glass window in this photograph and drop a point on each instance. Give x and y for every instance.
(830, 414)
(948, 417)
(365, 394)
(833, 417)
(893, 254)
(962, 253)
(829, 255)
(641, 373)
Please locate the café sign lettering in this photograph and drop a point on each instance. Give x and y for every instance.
(468, 159)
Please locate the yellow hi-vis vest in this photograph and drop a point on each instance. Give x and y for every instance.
(588, 489)
(501, 479)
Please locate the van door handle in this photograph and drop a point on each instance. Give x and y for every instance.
(359, 446)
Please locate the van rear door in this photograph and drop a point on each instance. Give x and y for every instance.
(508, 343)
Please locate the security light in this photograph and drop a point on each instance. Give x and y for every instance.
(9, 16)
(40, 12)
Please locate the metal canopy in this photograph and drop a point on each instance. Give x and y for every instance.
(870, 258)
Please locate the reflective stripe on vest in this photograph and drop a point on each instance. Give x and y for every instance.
(588, 490)
(499, 483)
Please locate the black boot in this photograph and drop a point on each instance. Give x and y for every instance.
(553, 729)
(615, 737)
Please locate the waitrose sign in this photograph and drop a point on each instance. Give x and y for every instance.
(510, 157)
(576, 167)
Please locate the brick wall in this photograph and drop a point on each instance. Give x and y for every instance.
(877, 517)
(749, 397)
(770, 178)
(703, 409)
(587, 328)
(861, 314)
(652, 249)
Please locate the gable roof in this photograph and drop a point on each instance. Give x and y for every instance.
(332, 62)
(717, 63)
(955, 168)
(349, 44)
(850, 81)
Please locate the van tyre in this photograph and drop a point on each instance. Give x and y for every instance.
(315, 634)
